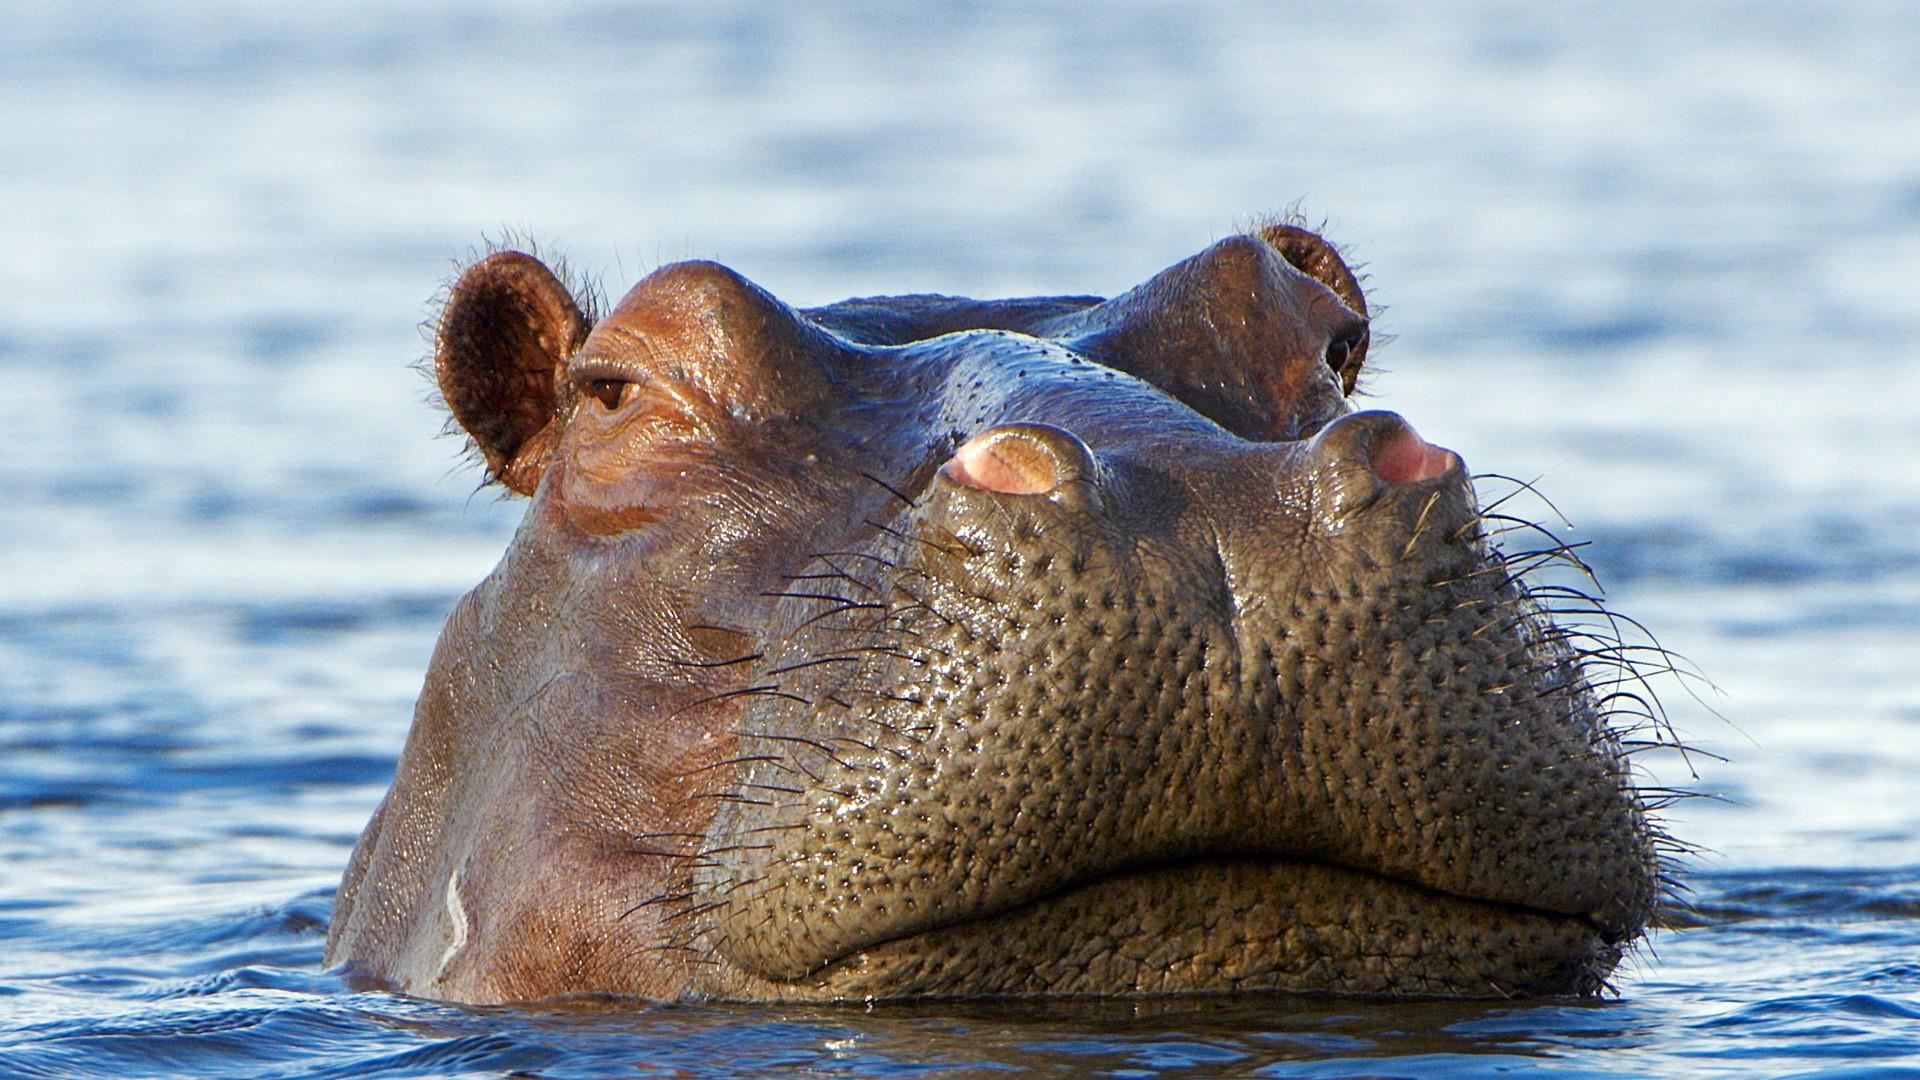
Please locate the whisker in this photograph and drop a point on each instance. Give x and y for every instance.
(1520, 486)
(662, 898)
(718, 663)
(750, 691)
(894, 491)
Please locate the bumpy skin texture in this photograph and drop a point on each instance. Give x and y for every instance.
(931, 646)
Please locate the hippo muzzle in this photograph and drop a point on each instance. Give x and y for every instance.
(920, 646)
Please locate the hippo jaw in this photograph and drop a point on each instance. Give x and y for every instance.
(922, 646)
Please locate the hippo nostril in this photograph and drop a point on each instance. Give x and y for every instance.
(1019, 459)
(980, 466)
(1401, 456)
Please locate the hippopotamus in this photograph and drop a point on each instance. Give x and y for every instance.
(922, 646)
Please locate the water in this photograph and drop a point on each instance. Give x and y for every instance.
(1662, 255)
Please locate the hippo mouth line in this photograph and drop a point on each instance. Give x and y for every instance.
(1160, 927)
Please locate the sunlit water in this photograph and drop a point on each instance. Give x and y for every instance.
(1666, 257)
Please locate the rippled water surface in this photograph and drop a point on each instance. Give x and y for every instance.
(1664, 257)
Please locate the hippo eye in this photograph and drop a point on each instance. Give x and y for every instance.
(1340, 353)
(1340, 349)
(609, 392)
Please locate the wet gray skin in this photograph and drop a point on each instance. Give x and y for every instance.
(919, 646)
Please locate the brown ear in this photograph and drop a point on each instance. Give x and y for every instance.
(504, 337)
(1313, 256)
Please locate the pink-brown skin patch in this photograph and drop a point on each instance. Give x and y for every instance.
(931, 646)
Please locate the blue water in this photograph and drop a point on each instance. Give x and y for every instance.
(1662, 256)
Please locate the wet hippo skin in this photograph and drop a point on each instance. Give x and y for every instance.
(919, 646)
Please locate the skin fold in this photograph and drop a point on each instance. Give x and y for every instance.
(927, 646)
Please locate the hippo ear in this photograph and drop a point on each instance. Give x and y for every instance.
(1313, 256)
(504, 338)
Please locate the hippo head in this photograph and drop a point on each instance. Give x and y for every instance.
(928, 646)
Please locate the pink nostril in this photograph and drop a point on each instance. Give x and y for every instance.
(1403, 457)
(980, 464)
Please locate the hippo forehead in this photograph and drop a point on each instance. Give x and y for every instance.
(925, 645)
